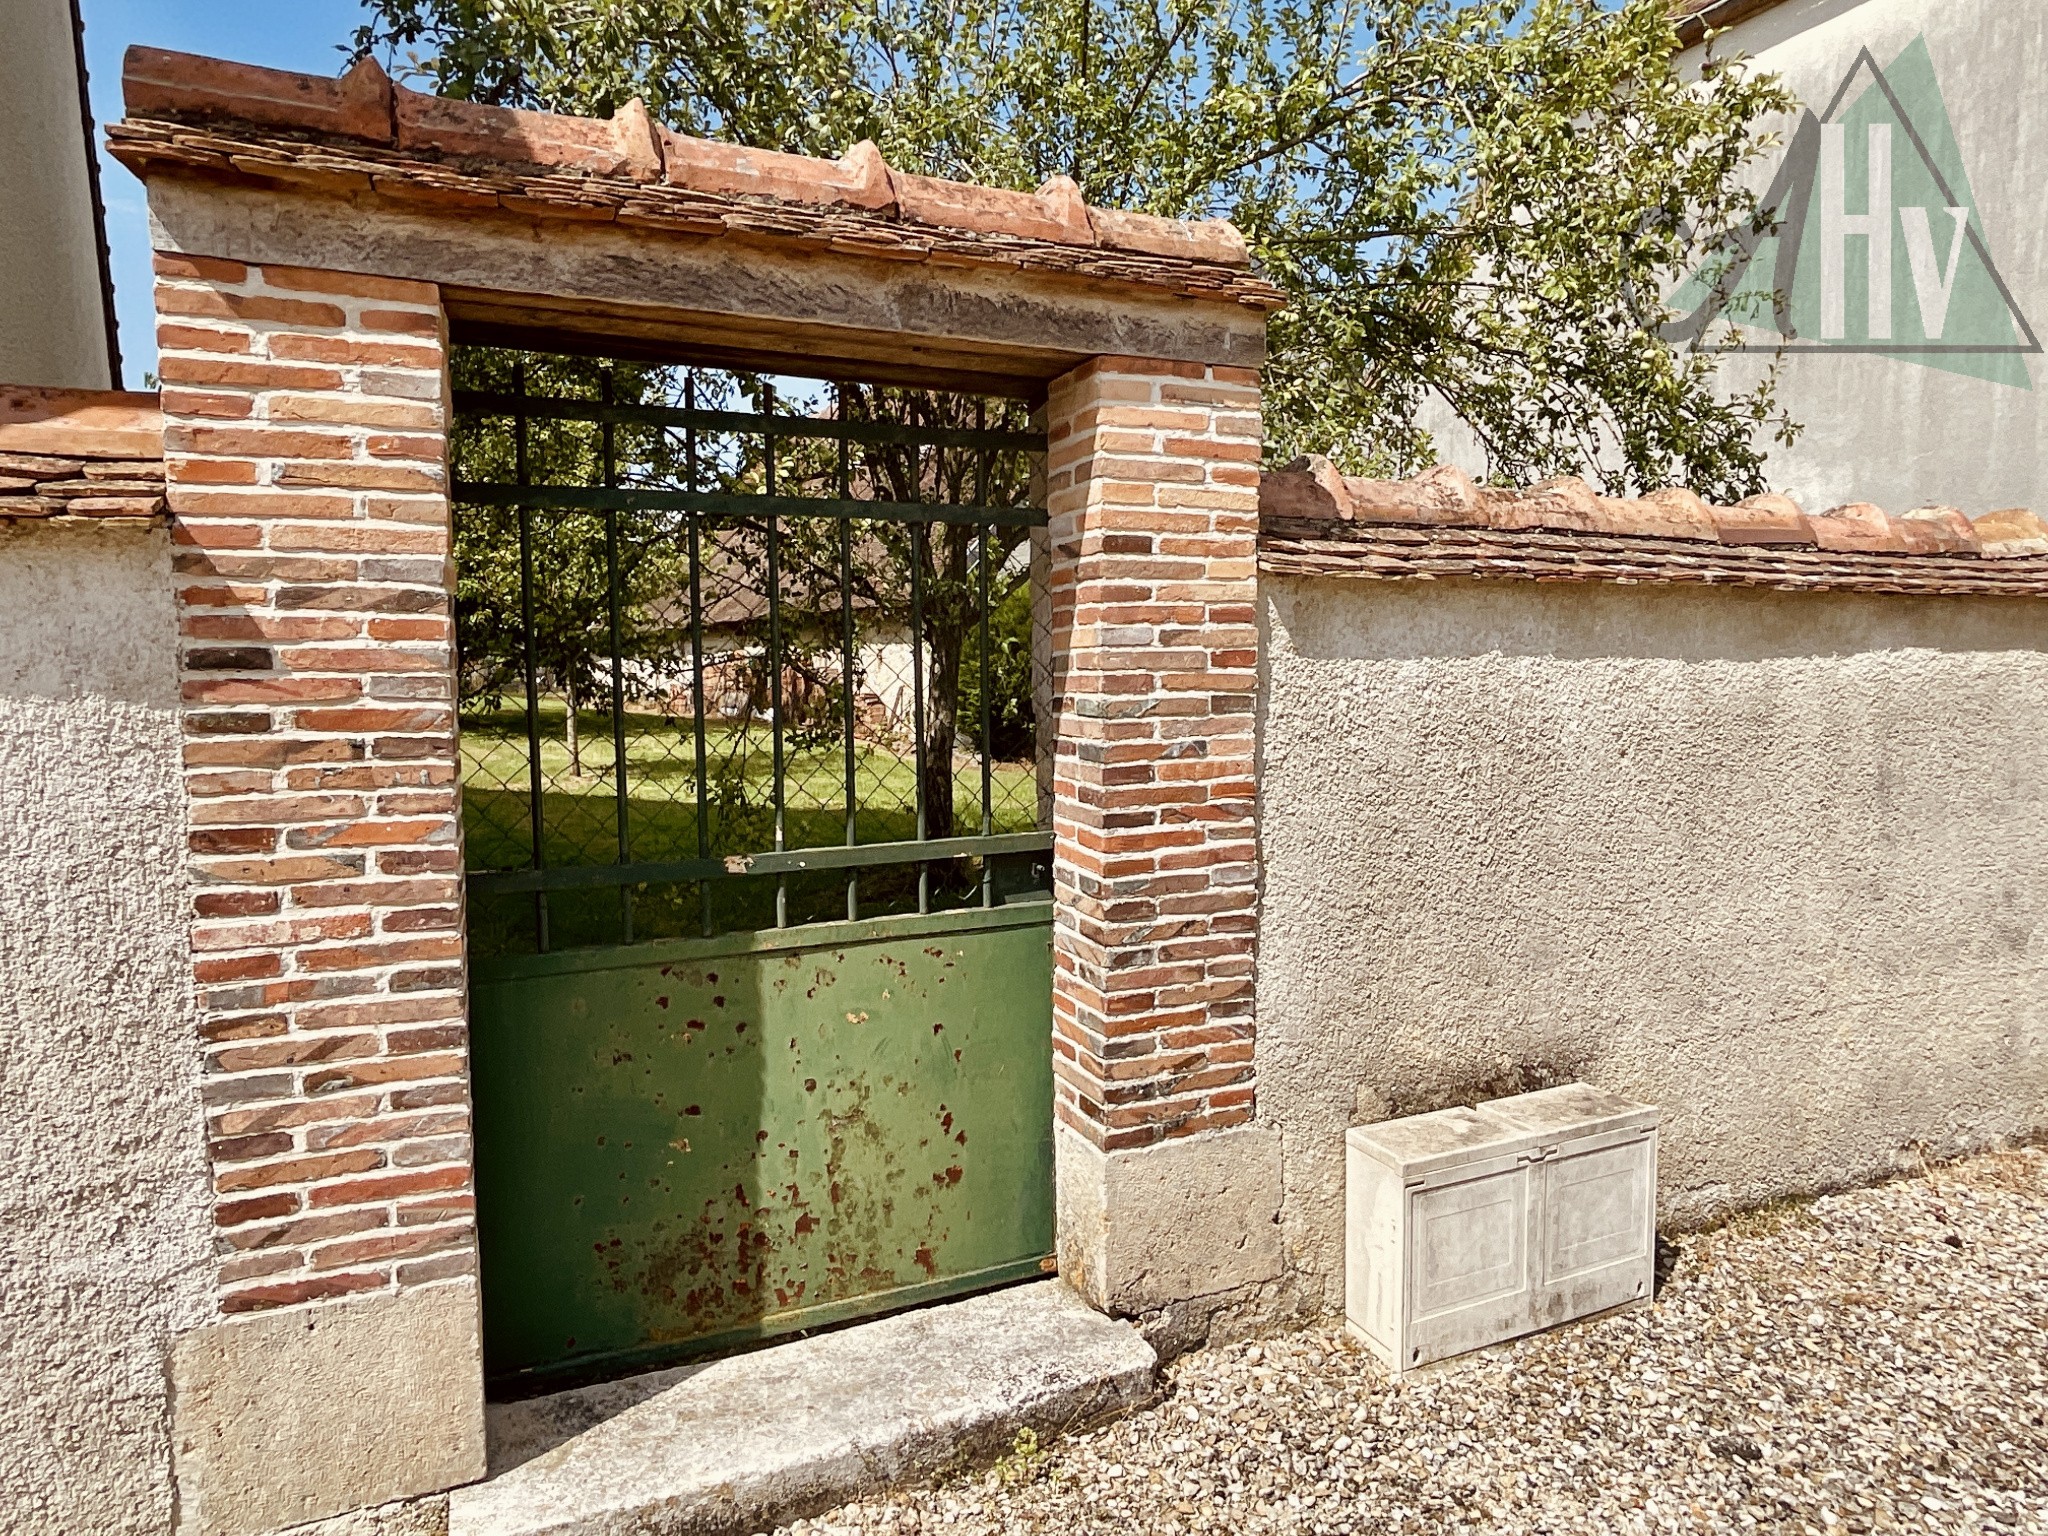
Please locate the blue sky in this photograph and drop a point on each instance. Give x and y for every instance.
(285, 34)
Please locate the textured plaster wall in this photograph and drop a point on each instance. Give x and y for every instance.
(1778, 863)
(103, 1191)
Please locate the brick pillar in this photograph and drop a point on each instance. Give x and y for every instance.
(305, 439)
(1167, 1190)
(305, 452)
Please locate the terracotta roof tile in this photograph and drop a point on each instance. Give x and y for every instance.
(360, 133)
(622, 145)
(1316, 521)
(158, 83)
(80, 453)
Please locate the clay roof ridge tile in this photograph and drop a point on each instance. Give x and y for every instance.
(1767, 519)
(594, 146)
(2010, 533)
(858, 179)
(1563, 503)
(159, 82)
(1953, 531)
(1308, 487)
(1858, 526)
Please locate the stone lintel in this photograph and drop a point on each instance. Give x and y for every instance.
(723, 301)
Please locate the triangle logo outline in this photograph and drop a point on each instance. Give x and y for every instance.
(1791, 191)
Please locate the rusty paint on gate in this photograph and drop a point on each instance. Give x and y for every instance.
(684, 1146)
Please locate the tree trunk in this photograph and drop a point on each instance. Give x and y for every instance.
(950, 610)
(574, 737)
(942, 727)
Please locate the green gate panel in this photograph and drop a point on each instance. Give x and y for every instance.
(683, 1146)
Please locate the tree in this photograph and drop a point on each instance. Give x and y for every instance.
(540, 590)
(1479, 201)
(570, 556)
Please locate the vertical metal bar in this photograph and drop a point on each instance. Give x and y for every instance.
(697, 648)
(611, 571)
(985, 538)
(522, 475)
(917, 556)
(846, 656)
(775, 650)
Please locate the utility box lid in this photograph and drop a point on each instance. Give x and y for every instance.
(1424, 1144)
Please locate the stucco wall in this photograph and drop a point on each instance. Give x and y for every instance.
(1778, 863)
(103, 1190)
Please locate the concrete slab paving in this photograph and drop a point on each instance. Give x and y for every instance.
(745, 1443)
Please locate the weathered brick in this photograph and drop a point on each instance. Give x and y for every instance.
(1155, 591)
(389, 1245)
(303, 1230)
(235, 903)
(359, 285)
(365, 1191)
(236, 1149)
(306, 492)
(180, 299)
(386, 1130)
(250, 1026)
(175, 368)
(200, 338)
(237, 968)
(298, 1170)
(258, 1298)
(391, 1069)
(212, 269)
(234, 1213)
(410, 321)
(446, 1266)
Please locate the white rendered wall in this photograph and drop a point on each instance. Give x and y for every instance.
(1777, 863)
(52, 314)
(1886, 428)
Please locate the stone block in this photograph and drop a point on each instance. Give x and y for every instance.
(757, 1440)
(280, 1418)
(1144, 1228)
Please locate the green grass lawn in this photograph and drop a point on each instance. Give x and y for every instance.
(580, 818)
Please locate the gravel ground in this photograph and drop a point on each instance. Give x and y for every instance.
(1876, 1360)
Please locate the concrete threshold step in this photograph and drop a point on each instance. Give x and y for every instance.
(745, 1443)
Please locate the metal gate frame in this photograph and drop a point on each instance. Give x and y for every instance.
(998, 1082)
(610, 499)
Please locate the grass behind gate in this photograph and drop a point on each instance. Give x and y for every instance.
(580, 822)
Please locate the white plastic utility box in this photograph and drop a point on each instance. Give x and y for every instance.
(1470, 1226)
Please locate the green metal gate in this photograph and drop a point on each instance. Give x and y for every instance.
(759, 911)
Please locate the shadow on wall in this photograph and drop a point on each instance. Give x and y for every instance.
(1466, 1084)
(1451, 620)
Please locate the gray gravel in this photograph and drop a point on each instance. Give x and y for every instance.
(1876, 1360)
